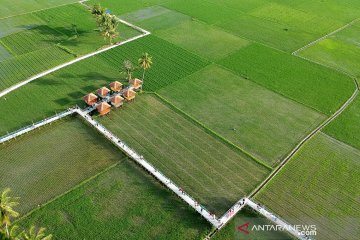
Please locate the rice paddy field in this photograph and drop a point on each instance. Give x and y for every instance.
(243, 112)
(10, 8)
(216, 174)
(247, 215)
(234, 86)
(339, 51)
(123, 202)
(65, 88)
(47, 162)
(318, 187)
(38, 41)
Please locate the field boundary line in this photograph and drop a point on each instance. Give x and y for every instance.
(229, 143)
(71, 189)
(325, 36)
(307, 138)
(42, 74)
(211, 218)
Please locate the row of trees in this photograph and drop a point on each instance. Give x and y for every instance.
(107, 23)
(13, 232)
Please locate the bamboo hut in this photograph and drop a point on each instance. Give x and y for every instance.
(90, 99)
(129, 94)
(103, 108)
(117, 101)
(103, 92)
(116, 86)
(136, 83)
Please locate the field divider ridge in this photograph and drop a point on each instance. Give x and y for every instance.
(211, 218)
(307, 138)
(42, 74)
(229, 143)
(325, 36)
(70, 190)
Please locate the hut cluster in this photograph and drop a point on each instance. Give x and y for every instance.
(116, 96)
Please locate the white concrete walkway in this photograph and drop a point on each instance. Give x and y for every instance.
(36, 125)
(150, 168)
(275, 219)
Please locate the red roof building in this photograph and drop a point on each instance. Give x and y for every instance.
(117, 101)
(103, 108)
(103, 92)
(90, 99)
(116, 86)
(136, 83)
(129, 94)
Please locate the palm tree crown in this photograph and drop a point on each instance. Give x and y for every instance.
(145, 62)
(36, 235)
(6, 209)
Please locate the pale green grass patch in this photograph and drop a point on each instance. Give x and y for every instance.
(205, 40)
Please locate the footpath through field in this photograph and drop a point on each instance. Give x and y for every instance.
(276, 220)
(151, 169)
(18, 85)
(218, 223)
(325, 36)
(36, 125)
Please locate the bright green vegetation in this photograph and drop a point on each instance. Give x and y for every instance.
(319, 186)
(19, 68)
(121, 203)
(156, 18)
(66, 87)
(313, 85)
(340, 51)
(49, 161)
(279, 24)
(230, 231)
(13, 8)
(208, 169)
(346, 127)
(124, 6)
(47, 39)
(243, 112)
(203, 39)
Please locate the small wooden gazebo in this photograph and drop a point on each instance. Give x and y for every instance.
(103, 108)
(90, 99)
(136, 83)
(117, 101)
(103, 92)
(129, 94)
(116, 86)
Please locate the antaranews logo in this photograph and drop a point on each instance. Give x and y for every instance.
(248, 230)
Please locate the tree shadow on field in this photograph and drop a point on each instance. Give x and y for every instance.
(219, 205)
(96, 76)
(67, 35)
(48, 82)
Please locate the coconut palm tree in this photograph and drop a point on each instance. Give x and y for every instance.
(97, 10)
(108, 26)
(128, 68)
(36, 235)
(6, 210)
(145, 62)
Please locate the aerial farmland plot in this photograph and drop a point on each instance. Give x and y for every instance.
(179, 119)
